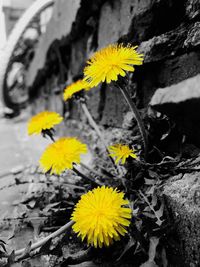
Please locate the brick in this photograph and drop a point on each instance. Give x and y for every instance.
(171, 43)
(78, 56)
(181, 102)
(118, 17)
(179, 68)
(59, 26)
(114, 107)
(93, 98)
(168, 72)
(135, 21)
(183, 199)
(181, 92)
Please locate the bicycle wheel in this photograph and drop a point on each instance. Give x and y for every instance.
(19, 52)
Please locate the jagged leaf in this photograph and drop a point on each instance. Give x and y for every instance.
(147, 209)
(128, 246)
(149, 181)
(159, 214)
(152, 253)
(151, 190)
(150, 215)
(154, 200)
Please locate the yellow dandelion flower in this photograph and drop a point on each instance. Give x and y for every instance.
(43, 121)
(75, 88)
(101, 216)
(61, 155)
(111, 61)
(121, 152)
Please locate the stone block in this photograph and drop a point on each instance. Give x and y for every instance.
(182, 194)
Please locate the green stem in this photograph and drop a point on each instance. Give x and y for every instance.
(85, 177)
(44, 240)
(96, 128)
(137, 117)
(91, 170)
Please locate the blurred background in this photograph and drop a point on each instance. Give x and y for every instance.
(44, 46)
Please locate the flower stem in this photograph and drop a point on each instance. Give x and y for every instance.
(85, 177)
(137, 117)
(44, 240)
(91, 170)
(108, 176)
(96, 128)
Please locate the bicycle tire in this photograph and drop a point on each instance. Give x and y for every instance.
(18, 30)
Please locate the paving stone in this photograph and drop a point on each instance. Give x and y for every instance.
(18, 150)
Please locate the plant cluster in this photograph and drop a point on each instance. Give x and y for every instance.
(112, 209)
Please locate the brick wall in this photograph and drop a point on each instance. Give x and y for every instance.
(166, 31)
